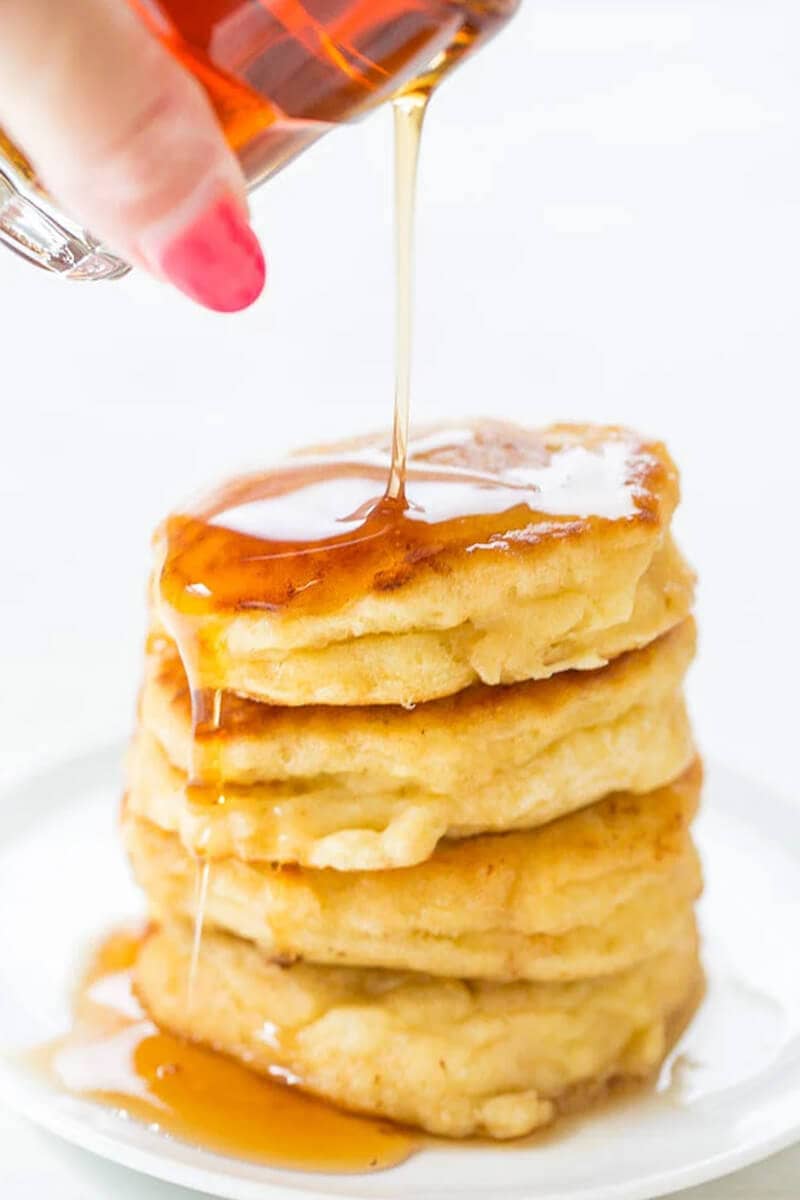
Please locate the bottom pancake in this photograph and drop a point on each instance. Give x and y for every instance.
(455, 1058)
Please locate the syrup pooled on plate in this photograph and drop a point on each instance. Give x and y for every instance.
(114, 1055)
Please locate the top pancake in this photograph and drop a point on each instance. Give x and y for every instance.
(520, 553)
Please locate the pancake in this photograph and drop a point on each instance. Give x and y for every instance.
(366, 789)
(455, 1058)
(440, 746)
(584, 896)
(566, 565)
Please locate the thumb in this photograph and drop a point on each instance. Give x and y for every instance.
(126, 140)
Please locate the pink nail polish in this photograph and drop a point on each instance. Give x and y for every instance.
(217, 260)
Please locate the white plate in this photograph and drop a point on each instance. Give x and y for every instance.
(729, 1096)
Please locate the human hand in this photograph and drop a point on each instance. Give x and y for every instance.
(126, 140)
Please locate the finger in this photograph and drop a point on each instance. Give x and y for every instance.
(126, 140)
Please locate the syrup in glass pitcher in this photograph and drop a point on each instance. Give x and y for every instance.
(279, 73)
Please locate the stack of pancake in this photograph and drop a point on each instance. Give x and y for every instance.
(443, 819)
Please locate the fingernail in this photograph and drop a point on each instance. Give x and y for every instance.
(217, 259)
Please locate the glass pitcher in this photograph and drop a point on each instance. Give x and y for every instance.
(279, 73)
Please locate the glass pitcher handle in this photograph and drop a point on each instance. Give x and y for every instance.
(32, 227)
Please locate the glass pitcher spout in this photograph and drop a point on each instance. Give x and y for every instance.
(46, 240)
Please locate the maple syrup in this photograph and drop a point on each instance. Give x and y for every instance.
(280, 73)
(409, 114)
(320, 530)
(202, 881)
(115, 1056)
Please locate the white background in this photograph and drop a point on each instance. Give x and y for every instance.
(607, 230)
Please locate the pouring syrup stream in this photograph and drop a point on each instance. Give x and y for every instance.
(409, 115)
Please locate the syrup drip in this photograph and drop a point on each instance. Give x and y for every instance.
(409, 115)
(115, 1056)
(203, 787)
(203, 870)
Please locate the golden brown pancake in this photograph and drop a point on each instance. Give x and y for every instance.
(453, 1057)
(364, 788)
(553, 555)
(584, 896)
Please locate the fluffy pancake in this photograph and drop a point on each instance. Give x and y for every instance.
(440, 746)
(359, 788)
(455, 1058)
(575, 569)
(588, 895)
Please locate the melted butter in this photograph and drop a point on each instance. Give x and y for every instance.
(115, 1056)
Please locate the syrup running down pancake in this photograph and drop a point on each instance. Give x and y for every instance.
(116, 1056)
(513, 554)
